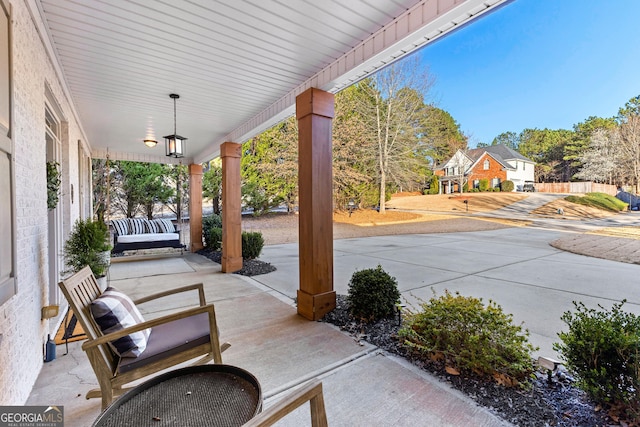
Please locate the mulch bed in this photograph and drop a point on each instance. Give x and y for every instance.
(250, 267)
(558, 403)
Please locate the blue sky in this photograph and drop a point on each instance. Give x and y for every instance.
(538, 64)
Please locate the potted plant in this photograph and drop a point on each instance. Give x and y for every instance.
(88, 244)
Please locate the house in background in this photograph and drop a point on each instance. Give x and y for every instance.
(496, 163)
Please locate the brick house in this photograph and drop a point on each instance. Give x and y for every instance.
(496, 163)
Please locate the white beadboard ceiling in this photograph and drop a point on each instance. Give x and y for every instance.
(236, 64)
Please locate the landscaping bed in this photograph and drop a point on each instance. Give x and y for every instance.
(250, 267)
(558, 403)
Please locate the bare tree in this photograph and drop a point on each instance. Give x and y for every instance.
(394, 111)
(602, 160)
(629, 137)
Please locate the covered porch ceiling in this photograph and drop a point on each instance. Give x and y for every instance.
(237, 65)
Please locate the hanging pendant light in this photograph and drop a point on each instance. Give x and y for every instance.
(175, 144)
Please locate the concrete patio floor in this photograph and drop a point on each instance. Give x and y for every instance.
(362, 385)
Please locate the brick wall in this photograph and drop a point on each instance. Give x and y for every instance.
(22, 332)
(495, 171)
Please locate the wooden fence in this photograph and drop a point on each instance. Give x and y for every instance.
(576, 187)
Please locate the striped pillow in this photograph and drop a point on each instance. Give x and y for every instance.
(152, 226)
(114, 311)
(121, 226)
(165, 225)
(136, 225)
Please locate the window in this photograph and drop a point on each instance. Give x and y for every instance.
(486, 165)
(476, 183)
(524, 165)
(7, 201)
(495, 182)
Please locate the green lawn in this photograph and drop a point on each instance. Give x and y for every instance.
(600, 201)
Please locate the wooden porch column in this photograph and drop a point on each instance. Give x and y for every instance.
(314, 111)
(231, 152)
(195, 206)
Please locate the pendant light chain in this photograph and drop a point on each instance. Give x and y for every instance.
(174, 117)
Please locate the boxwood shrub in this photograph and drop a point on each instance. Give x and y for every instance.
(602, 349)
(252, 244)
(210, 223)
(373, 294)
(213, 238)
(507, 185)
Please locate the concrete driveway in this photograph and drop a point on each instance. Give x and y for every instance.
(516, 267)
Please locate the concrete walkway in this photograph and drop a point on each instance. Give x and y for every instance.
(362, 386)
(523, 207)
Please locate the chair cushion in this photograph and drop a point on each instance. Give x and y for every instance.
(148, 237)
(121, 226)
(170, 339)
(165, 225)
(114, 311)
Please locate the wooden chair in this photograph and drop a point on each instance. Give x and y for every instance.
(166, 346)
(310, 392)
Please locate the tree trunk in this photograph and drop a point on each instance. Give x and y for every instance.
(383, 190)
(130, 208)
(178, 195)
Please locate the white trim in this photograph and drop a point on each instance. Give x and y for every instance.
(36, 12)
(54, 216)
(9, 287)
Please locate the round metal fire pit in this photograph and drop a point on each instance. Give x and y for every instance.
(206, 395)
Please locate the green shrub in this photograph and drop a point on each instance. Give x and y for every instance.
(211, 224)
(213, 238)
(507, 185)
(600, 201)
(435, 185)
(602, 349)
(252, 243)
(373, 294)
(469, 336)
(256, 197)
(213, 220)
(86, 245)
(484, 184)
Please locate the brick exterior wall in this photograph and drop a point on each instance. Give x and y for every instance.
(22, 332)
(495, 171)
